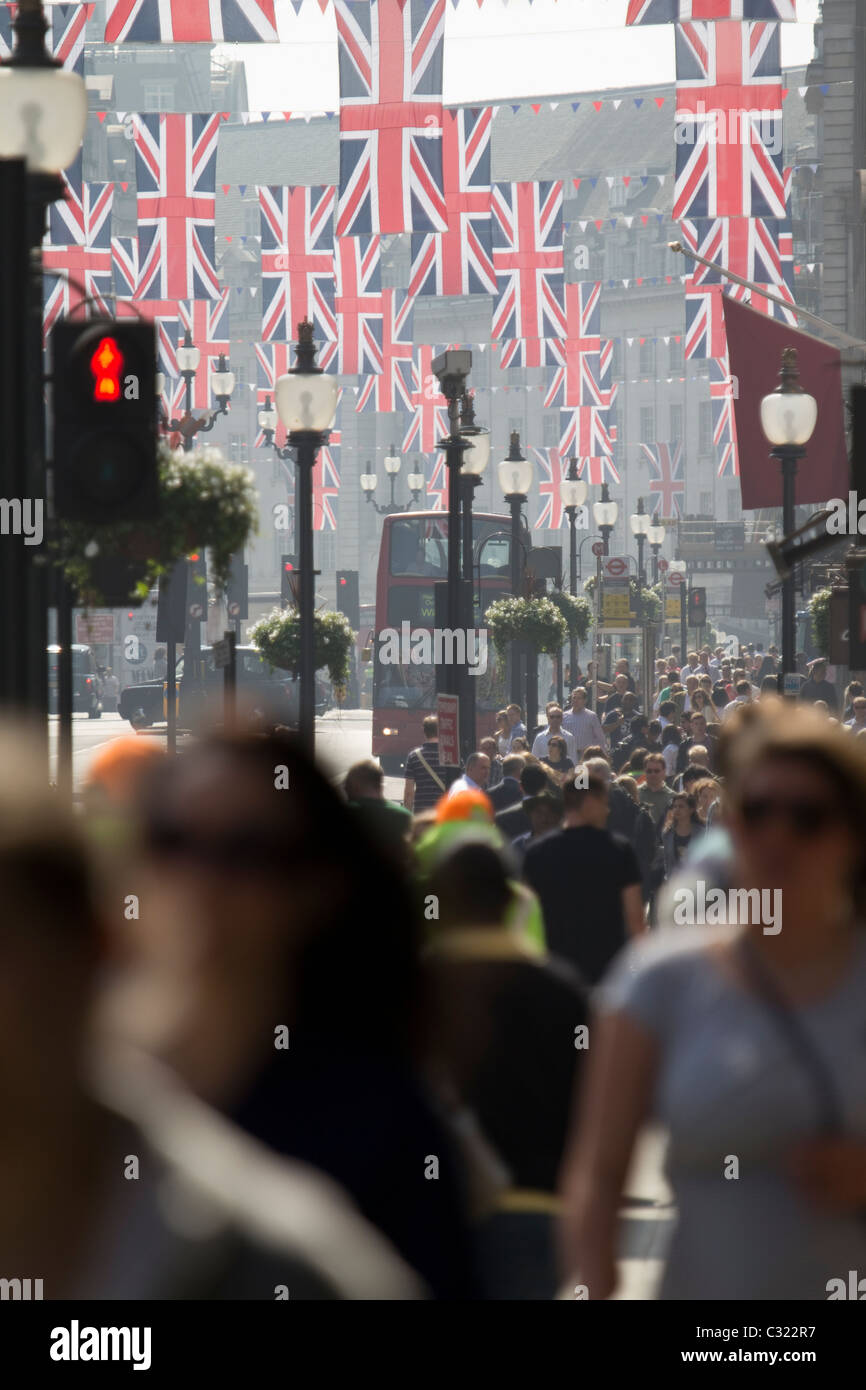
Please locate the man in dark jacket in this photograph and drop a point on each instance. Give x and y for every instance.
(508, 793)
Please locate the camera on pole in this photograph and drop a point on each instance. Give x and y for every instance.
(104, 445)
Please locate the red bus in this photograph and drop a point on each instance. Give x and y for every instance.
(412, 558)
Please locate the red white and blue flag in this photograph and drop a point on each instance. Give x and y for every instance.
(326, 486)
(553, 471)
(437, 484)
(460, 260)
(672, 11)
(298, 277)
(429, 423)
(667, 482)
(359, 305)
(527, 252)
(705, 324)
(578, 382)
(390, 54)
(65, 36)
(124, 261)
(190, 21)
(759, 249)
(722, 398)
(78, 247)
(273, 360)
(597, 470)
(729, 121)
(175, 160)
(586, 435)
(391, 389)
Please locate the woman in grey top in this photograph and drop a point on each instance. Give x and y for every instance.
(747, 1041)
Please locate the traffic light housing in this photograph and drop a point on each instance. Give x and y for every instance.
(348, 599)
(104, 418)
(288, 569)
(697, 607)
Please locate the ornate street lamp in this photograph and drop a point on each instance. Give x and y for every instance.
(392, 467)
(604, 514)
(306, 399)
(515, 479)
(788, 418)
(574, 493)
(656, 537)
(222, 385)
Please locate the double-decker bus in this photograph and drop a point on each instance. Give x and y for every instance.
(412, 558)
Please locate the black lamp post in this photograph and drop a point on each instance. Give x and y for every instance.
(451, 368)
(574, 493)
(788, 417)
(307, 404)
(656, 537)
(604, 514)
(392, 468)
(43, 114)
(515, 479)
(222, 381)
(475, 461)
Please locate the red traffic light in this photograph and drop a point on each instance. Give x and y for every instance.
(106, 365)
(343, 579)
(288, 565)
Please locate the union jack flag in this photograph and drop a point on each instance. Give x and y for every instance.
(429, 421)
(585, 433)
(359, 305)
(705, 325)
(578, 382)
(124, 261)
(80, 245)
(554, 471)
(437, 484)
(326, 486)
(390, 116)
(207, 322)
(666, 478)
(297, 260)
(762, 303)
(597, 470)
(391, 389)
(670, 11)
(175, 160)
(527, 253)
(190, 21)
(273, 360)
(759, 249)
(729, 121)
(65, 37)
(722, 398)
(460, 260)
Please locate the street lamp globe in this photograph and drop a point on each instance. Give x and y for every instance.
(416, 481)
(368, 480)
(43, 108)
(515, 477)
(640, 523)
(392, 461)
(476, 458)
(267, 417)
(306, 397)
(159, 382)
(573, 491)
(188, 355)
(605, 513)
(656, 535)
(789, 414)
(222, 379)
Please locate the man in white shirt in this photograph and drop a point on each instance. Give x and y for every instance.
(476, 776)
(583, 724)
(744, 695)
(554, 729)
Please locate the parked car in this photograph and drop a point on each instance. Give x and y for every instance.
(86, 685)
(259, 687)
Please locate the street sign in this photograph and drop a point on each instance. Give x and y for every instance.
(222, 653)
(616, 566)
(673, 608)
(448, 715)
(792, 682)
(676, 578)
(96, 627)
(663, 564)
(234, 610)
(598, 548)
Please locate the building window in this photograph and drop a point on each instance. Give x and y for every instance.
(676, 422)
(733, 502)
(550, 430)
(647, 424)
(676, 362)
(648, 357)
(617, 357)
(706, 504)
(705, 427)
(252, 219)
(158, 95)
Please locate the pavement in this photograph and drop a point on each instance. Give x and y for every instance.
(342, 738)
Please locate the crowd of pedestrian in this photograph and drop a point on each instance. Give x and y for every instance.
(269, 1038)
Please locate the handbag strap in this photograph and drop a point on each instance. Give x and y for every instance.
(424, 763)
(803, 1049)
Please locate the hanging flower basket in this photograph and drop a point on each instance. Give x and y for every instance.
(819, 612)
(278, 638)
(537, 621)
(577, 612)
(205, 503)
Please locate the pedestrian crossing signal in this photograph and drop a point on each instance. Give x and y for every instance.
(107, 365)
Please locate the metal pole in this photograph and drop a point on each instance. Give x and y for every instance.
(515, 501)
(14, 387)
(306, 449)
(230, 683)
(468, 711)
(64, 687)
(597, 643)
(41, 189)
(171, 695)
(789, 458)
(572, 644)
(188, 378)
